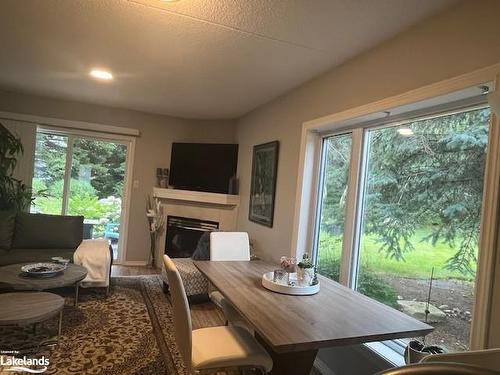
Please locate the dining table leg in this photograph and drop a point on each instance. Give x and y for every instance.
(289, 363)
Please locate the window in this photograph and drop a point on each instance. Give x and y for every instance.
(50, 166)
(417, 213)
(81, 175)
(336, 158)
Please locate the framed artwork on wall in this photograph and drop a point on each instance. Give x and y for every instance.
(263, 185)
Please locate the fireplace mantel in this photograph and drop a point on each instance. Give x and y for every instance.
(197, 196)
(219, 208)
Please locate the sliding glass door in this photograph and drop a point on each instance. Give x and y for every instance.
(82, 175)
(417, 216)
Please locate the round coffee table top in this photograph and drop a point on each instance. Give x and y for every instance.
(28, 307)
(12, 278)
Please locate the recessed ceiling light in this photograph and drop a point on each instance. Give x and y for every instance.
(101, 74)
(405, 132)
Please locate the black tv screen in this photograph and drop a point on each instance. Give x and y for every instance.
(205, 167)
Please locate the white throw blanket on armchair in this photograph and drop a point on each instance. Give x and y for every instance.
(95, 257)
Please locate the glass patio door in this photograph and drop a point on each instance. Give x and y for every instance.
(420, 218)
(82, 175)
(415, 214)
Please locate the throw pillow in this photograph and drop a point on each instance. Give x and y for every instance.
(37, 231)
(7, 223)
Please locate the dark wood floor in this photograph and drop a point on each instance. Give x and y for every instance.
(202, 314)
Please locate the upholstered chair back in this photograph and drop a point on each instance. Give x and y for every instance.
(182, 315)
(229, 246)
(486, 358)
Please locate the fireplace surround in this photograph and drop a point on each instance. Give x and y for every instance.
(205, 207)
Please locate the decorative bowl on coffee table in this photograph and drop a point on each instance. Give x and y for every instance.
(13, 279)
(43, 269)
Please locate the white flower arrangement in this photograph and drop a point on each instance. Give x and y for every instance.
(156, 221)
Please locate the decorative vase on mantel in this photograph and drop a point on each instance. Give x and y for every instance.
(156, 221)
(162, 177)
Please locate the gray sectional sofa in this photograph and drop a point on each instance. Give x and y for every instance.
(26, 237)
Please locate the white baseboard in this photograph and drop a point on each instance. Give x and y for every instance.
(322, 367)
(136, 263)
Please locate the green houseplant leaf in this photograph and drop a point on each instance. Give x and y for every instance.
(13, 192)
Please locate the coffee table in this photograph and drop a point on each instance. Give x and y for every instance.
(18, 309)
(11, 278)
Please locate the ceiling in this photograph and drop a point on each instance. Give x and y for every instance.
(193, 58)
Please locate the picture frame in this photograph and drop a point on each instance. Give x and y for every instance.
(263, 183)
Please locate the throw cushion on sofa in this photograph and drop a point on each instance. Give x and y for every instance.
(36, 231)
(14, 256)
(7, 223)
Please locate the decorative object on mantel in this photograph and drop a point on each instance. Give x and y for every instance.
(156, 221)
(234, 185)
(162, 177)
(263, 185)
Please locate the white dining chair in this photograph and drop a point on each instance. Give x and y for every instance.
(229, 246)
(486, 358)
(211, 348)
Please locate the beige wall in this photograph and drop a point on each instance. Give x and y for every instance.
(152, 146)
(458, 41)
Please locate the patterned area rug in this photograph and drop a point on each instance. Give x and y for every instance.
(129, 332)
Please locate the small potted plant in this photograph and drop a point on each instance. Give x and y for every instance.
(305, 270)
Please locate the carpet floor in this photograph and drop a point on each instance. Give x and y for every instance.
(129, 332)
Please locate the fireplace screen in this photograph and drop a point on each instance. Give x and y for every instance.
(183, 235)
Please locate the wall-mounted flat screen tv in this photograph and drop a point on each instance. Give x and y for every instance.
(208, 167)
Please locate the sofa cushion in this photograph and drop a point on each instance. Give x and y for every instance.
(36, 231)
(7, 223)
(14, 256)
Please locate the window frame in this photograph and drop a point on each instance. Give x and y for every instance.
(124, 140)
(393, 350)
(342, 115)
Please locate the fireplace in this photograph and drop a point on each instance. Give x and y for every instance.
(183, 234)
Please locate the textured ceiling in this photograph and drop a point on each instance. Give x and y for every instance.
(193, 58)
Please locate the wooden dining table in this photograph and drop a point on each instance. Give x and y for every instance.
(293, 328)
